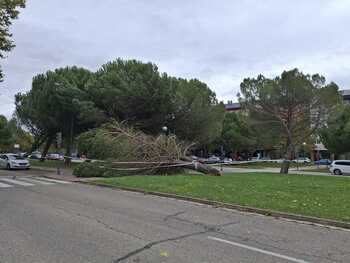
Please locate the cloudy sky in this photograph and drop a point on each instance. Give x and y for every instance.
(218, 42)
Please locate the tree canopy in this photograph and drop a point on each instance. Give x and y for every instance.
(132, 91)
(238, 134)
(72, 100)
(58, 102)
(136, 93)
(294, 104)
(12, 133)
(6, 139)
(335, 134)
(8, 12)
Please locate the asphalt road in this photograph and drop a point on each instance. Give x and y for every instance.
(48, 221)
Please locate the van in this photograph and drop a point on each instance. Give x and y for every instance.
(340, 167)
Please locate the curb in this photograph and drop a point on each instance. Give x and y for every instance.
(265, 212)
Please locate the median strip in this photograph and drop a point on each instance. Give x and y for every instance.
(316, 199)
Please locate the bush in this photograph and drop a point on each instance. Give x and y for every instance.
(88, 170)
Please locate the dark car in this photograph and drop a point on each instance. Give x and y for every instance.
(323, 162)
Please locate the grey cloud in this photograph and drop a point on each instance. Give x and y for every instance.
(219, 42)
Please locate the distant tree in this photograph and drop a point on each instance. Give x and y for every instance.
(196, 115)
(58, 102)
(293, 103)
(6, 139)
(8, 12)
(238, 134)
(335, 134)
(19, 136)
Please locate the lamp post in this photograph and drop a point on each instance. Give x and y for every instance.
(165, 130)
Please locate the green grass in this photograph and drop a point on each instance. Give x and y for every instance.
(318, 170)
(319, 196)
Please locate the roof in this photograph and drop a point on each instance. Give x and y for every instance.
(345, 92)
(233, 106)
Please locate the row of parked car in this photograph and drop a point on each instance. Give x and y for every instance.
(18, 161)
(302, 160)
(21, 160)
(37, 155)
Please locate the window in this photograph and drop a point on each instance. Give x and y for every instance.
(342, 163)
(15, 157)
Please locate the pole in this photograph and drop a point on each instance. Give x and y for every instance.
(59, 142)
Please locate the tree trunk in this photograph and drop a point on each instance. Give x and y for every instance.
(288, 158)
(200, 167)
(285, 167)
(46, 148)
(67, 159)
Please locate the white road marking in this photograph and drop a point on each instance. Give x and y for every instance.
(258, 250)
(53, 180)
(30, 180)
(12, 181)
(5, 185)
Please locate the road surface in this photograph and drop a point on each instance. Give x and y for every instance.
(51, 221)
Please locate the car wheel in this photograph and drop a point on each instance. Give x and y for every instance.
(337, 172)
(8, 166)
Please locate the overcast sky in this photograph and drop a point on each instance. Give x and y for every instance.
(218, 42)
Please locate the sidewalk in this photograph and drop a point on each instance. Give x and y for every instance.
(66, 174)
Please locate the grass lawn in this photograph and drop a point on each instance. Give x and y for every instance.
(318, 170)
(319, 196)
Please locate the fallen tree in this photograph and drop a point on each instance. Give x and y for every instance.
(123, 150)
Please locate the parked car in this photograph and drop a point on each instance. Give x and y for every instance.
(340, 167)
(323, 162)
(35, 155)
(54, 156)
(302, 160)
(277, 160)
(226, 160)
(13, 161)
(213, 159)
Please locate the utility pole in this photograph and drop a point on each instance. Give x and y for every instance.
(59, 143)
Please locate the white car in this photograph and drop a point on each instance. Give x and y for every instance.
(227, 160)
(213, 159)
(340, 167)
(54, 156)
(13, 161)
(302, 160)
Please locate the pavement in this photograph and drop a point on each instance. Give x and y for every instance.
(71, 222)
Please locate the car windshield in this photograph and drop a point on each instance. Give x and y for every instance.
(15, 157)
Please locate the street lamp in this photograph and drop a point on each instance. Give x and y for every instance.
(165, 129)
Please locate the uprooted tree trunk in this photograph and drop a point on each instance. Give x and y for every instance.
(200, 167)
(131, 151)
